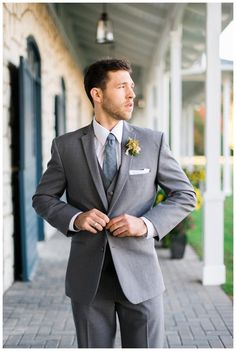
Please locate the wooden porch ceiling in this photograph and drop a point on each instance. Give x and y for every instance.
(141, 31)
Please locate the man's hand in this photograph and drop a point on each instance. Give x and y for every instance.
(127, 225)
(92, 221)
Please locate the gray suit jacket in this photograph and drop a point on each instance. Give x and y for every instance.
(74, 167)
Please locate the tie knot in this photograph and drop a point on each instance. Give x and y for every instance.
(111, 138)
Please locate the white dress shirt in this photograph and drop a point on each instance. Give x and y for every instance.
(100, 137)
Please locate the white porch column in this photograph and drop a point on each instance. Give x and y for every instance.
(176, 90)
(166, 104)
(190, 136)
(227, 188)
(149, 106)
(159, 77)
(154, 106)
(213, 269)
(184, 137)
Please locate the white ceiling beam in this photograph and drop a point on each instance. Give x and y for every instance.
(117, 16)
(194, 34)
(145, 12)
(122, 46)
(69, 41)
(191, 50)
(197, 9)
(174, 17)
(92, 56)
(195, 23)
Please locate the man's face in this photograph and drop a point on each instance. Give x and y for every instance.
(118, 95)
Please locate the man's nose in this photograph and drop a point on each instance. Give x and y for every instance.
(131, 93)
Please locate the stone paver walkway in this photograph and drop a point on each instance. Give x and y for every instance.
(38, 314)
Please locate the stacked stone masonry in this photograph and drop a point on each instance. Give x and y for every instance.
(21, 20)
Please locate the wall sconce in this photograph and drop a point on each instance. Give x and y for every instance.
(104, 29)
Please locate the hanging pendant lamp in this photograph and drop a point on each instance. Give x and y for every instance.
(104, 29)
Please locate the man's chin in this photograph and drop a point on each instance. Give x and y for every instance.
(122, 117)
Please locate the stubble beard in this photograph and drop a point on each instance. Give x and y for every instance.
(116, 113)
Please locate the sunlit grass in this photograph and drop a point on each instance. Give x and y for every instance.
(195, 238)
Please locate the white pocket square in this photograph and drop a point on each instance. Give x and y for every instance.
(139, 171)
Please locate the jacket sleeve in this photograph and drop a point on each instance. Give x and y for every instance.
(181, 197)
(46, 200)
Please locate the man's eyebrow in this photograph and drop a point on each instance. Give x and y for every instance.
(133, 85)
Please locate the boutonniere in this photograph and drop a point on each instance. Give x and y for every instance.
(133, 147)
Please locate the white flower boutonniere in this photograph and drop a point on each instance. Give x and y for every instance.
(133, 147)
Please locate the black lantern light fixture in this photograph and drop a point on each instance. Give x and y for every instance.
(104, 29)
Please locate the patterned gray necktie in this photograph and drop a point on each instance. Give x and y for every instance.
(110, 164)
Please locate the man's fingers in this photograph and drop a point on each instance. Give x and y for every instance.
(116, 226)
(96, 225)
(120, 232)
(99, 221)
(92, 221)
(123, 235)
(114, 221)
(90, 228)
(102, 215)
(126, 225)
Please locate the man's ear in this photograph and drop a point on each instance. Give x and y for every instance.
(96, 94)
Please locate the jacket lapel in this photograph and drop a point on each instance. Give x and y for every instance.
(90, 154)
(124, 167)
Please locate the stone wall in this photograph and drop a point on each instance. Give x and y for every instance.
(20, 20)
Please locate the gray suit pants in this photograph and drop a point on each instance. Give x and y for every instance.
(141, 325)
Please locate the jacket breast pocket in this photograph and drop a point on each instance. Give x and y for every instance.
(138, 172)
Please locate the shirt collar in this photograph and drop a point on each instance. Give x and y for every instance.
(102, 133)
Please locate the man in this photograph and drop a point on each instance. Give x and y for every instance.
(110, 171)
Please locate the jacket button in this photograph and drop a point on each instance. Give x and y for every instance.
(102, 249)
(110, 193)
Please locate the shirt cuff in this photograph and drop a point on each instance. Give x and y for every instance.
(71, 225)
(151, 231)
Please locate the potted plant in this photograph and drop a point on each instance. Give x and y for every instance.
(176, 240)
(179, 233)
(179, 237)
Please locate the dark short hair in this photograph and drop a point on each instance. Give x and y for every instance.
(96, 74)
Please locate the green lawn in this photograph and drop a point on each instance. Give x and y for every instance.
(195, 240)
